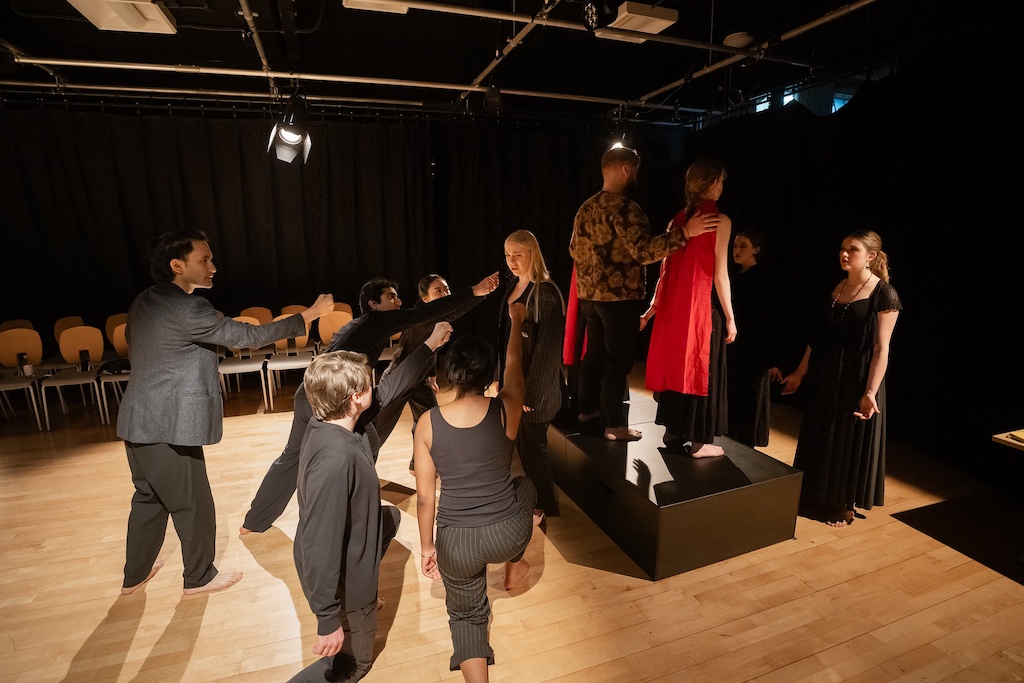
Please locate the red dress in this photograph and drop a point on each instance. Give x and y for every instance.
(679, 355)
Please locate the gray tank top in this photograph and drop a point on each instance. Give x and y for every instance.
(474, 464)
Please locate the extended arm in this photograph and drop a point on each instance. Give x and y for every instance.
(791, 382)
(404, 376)
(879, 364)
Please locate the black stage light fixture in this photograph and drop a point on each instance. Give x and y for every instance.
(597, 14)
(290, 134)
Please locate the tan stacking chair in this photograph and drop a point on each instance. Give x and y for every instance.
(328, 324)
(58, 362)
(342, 306)
(13, 342)
(16, 324)
(291, 354)
(262, 314)
(243, 361)
(293, 309)
(80, 346)
(120, 343)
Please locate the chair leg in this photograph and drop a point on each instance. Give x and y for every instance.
(104, 416)
(263, 385)
(4, 402)
(95, 386)
(63, 405)
(35, 408)
(46, 408)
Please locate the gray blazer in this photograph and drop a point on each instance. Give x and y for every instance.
(174, 394)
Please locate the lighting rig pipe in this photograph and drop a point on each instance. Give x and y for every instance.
(803, 28)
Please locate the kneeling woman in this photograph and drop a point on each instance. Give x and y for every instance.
(484, 516)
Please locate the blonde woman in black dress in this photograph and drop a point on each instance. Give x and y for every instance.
(841, 447)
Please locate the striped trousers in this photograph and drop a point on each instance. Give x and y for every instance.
(463, 554)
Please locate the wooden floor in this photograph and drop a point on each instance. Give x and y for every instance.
(878, 601)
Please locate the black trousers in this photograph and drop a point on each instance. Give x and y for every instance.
(613, 333)
(281, 479)
(360, 624)
(532, 443)
(170, 481)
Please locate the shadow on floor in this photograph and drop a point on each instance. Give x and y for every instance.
(984, 526)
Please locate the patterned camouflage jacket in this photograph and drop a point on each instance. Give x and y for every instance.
(611, 243)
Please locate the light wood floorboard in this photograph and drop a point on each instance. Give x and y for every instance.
(878, 601)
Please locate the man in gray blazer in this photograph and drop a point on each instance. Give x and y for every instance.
(172, 407)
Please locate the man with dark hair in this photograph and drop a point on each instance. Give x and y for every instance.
(382, 316)
(172, 407)
(376, 291)
(611, 243)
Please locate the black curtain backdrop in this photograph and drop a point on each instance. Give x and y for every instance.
(917, 156)
(84, 193)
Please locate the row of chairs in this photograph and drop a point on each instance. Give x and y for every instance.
(268, 363)
(83, 353)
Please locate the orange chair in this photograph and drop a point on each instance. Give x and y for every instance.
(120, 343)
(16, 324)
(328, 324)
(290, 354)
(80, 346)
(293, 309)
(262, 314)
(244, 361)
(13, 342)
(342, 306)
(58, 362)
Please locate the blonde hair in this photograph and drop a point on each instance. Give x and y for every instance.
(330, 381)
(538, 268)
(873, 242)
(700, 176)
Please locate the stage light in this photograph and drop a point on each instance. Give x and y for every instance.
(290, 135)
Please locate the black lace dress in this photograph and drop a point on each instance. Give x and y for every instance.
(843, 457)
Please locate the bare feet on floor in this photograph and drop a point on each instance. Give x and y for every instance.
(242, 531)
(622, 434)
(515, 572)
(708, 451)
(220, 582)
(152, 572)
(841, 518)
(380, 604)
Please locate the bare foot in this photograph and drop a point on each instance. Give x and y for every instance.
(380, 604)
(622, 434)
(242, 531)
(515, 572)
(538, 517)
(220, 582)
(152, 572)
(842, 518)
(708, 451)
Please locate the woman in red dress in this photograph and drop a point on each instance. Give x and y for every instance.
(695, 320)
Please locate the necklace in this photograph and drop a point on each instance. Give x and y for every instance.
(847, 304)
